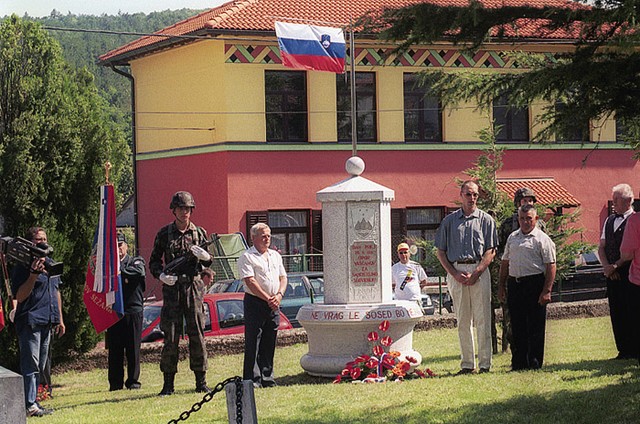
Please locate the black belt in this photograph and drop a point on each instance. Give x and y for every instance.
(467, 262)
(527, 278)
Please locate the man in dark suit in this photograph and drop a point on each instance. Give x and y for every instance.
(124, 337)
(617, 271)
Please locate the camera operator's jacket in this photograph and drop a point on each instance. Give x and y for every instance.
(41, 307)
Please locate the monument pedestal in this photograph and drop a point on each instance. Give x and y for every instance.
(12, 408)
(356, 232)
(337, 334)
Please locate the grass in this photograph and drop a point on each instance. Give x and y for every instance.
(578, 384)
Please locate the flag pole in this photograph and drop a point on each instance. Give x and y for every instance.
(352, 73)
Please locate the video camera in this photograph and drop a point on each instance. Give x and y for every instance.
(24, 252)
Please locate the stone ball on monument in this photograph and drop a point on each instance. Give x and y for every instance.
(354, 166)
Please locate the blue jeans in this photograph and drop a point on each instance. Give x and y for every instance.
(34, 348)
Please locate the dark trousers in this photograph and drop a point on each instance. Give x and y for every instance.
(260, 332)
(528, 320)
(621, 310)
(124, 340)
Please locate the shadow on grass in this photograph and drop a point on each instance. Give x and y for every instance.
(614, 403)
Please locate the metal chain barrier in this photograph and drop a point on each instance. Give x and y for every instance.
(209, 395)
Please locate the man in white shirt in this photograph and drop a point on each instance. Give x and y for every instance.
(408, 277)
(528, 266)
(265, 281)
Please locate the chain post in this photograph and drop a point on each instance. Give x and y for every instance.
(241, 403)
(207, 398)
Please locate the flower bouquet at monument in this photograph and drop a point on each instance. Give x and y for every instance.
(382, 365)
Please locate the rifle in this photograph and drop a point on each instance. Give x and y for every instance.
(179, 264)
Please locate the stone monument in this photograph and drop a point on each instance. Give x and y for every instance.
(356, 230)
(12, 408)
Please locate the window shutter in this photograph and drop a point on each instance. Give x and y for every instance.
(253, 218)
(398, 227)
(316, 231)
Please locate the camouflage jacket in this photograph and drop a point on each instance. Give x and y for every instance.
(170, 244)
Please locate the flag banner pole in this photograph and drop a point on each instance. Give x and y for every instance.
(103, 286)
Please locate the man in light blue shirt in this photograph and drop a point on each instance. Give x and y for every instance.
(466, 241)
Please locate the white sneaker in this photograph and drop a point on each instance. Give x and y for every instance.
(36, 411)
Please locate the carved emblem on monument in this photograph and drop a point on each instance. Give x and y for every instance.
(363, 221)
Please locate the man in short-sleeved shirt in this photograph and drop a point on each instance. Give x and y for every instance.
(407, 276)
(466, 241)
(529, 267)
(39, 311)
(265, 281)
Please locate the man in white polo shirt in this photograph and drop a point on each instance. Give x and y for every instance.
(265, 281)
(528, 266)
(408, 277)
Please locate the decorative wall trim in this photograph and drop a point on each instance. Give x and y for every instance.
(423, 58)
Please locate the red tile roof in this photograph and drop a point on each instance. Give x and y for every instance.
(547, 190)
(259, 16)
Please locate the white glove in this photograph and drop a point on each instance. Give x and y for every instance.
(12, 315)
(169, 280)
(200, 253)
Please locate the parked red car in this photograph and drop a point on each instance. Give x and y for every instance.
(226, 308)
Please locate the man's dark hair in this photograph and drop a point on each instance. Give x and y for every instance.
(527, 208)
(32, 232)
(207, 271)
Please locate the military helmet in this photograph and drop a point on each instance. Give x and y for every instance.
(522, 193)
(182, 199)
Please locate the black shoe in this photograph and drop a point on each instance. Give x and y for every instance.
(167, 388)
(202, 388)
(201, 382)
(484, 370)
(113, 389)
(464, 371)
(257, 385)
(134, 386)
(625, 356)
(269, 383)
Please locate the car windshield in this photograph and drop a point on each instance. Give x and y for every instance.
(230, 312)
(318, 285)
(149, 314)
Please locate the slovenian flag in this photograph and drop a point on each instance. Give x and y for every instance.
(311, 47)
(103, 287)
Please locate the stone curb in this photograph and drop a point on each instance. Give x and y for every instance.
(227, 345)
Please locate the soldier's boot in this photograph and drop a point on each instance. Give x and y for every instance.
(167, 388)
(201, 382)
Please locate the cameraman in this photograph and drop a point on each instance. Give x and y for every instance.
(39, 311)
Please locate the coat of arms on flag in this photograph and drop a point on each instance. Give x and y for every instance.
(311, 47)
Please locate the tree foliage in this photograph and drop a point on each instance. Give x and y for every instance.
(55, 136)
(595, 78)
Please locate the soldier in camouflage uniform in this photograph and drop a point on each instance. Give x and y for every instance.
(183, 292)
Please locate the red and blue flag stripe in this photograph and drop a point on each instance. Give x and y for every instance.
(311, 47)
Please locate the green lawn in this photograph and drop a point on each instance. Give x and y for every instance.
(578, 384)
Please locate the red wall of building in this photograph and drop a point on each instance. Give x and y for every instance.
(227, 184)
